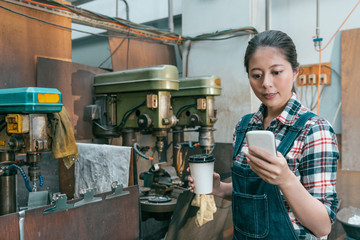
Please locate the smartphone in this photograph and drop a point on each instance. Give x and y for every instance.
(262, 139)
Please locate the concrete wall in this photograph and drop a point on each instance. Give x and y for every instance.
(222, 58)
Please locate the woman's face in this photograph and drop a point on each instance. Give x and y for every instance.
(271, 78)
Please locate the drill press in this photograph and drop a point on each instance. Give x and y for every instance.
(139, 100)
(194, 107)
(24, 128)
(135, 99)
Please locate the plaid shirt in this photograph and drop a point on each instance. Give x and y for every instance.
(312, 158)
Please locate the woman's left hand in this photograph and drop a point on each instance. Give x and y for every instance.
(272, 169)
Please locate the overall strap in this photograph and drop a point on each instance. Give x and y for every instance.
(240, 133)
(294, 131)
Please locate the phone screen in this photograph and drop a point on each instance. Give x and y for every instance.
(262, 139)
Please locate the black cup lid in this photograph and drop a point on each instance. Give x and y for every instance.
(201, 158)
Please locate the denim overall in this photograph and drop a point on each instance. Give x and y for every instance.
(258, 207)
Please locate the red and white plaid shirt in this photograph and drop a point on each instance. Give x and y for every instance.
(313, 157)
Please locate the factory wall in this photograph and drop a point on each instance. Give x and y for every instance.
(222, 58)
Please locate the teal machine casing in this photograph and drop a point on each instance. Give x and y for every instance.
(25, 100)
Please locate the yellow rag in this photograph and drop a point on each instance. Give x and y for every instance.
(207, 208)
(63, 139)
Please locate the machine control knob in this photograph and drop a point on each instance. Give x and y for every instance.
(213, 120)
(144, 121)
(172, 121)
(15, 143)
(165, 121)
(195, 119)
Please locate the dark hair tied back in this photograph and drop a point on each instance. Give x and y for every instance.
(276, 39)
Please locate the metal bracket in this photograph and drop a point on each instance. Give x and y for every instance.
(88, 198)
(21, 224)
(117, 191)
(60, 205)
(38, 199)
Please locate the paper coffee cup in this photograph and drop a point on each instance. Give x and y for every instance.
(201, 169)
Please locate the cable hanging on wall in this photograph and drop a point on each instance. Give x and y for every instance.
(126, 27)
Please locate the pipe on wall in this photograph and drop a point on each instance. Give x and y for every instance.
(267, 14)
(127, 9)
(171, 16)
(317, 18)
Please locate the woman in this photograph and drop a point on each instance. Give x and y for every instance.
(291, 195)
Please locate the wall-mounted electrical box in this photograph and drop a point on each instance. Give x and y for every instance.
(309, 75)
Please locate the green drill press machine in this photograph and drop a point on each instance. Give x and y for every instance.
(194, 107)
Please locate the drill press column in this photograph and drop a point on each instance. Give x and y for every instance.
(7, 184)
